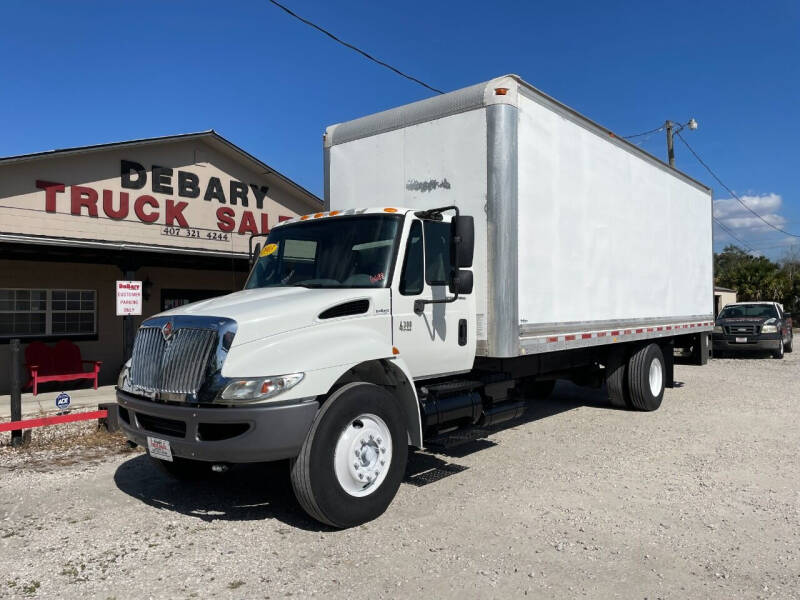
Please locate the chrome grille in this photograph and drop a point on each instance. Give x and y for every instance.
(175, 366)
(743, 329)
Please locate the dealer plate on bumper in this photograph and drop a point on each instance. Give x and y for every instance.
(159, 448)
(738, 341)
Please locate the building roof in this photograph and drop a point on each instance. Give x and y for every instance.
(211, 137)
(723, 289)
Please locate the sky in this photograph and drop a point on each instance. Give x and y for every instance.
(81, 73)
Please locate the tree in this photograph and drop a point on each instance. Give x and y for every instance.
(758, 278)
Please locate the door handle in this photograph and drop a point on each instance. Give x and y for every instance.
(462, 332)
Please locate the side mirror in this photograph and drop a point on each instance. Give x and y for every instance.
(463, 231)
(461, 282)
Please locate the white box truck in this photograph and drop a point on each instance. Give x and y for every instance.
(476, 247)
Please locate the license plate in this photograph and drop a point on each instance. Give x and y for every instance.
(159, 448)
(741, 340)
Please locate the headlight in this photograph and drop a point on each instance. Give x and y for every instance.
(250, 390)
(769, 329)
(124, 376)
(718, 329)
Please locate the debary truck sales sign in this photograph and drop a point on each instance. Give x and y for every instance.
(204, 200)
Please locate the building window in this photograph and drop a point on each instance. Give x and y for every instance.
(40, 313)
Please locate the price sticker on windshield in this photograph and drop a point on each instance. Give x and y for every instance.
(268, 249)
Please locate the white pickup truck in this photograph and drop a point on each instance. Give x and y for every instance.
(514, 243)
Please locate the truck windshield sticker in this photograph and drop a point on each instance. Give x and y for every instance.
(268, 249)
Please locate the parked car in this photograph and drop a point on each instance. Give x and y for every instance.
(753, 326)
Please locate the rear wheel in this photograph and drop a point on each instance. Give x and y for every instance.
(354, 457)
(646, 378)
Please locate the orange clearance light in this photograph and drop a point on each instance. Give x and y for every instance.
(333, 213)
(389, 210)
(500, 91)
(318, 215)
(395, 351)
(304, 217)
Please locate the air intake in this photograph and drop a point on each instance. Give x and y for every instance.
(355, 307)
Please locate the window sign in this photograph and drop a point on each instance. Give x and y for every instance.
(129, 298)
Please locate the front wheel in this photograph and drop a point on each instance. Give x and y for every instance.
(354, 457)
(787, 347)
(779, 352)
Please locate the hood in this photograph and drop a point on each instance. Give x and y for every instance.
(264, 312)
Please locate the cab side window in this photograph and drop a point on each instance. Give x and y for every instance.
(411, 280)
(437, 252)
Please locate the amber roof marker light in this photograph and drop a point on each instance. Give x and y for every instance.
(500, 91)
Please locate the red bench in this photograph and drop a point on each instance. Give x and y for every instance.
(61, 363)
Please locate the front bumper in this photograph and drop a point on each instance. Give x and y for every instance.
(726, 343)
(226, 434)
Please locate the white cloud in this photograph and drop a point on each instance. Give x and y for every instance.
(735, 216)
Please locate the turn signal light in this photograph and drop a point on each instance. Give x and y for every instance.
(395, 351)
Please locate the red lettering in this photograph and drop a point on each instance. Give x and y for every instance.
(225, 220)
(264, 223)
(50, 190)
(175, 213)
(138, 208)
(83, 196)
(248, 223)
(108, 205)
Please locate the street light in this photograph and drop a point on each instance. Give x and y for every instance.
(691, 124)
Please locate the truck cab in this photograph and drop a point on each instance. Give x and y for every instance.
(315, 359)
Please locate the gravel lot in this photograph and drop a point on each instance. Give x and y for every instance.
(699, 499)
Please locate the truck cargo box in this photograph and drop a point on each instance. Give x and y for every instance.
(581, 238)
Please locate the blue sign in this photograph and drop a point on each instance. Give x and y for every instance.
(62, 401)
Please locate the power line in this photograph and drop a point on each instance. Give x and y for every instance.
(730, 191)
(352, 47)
(734, 236)
(635, 135)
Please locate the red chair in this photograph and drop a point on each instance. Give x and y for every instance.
(62, 363)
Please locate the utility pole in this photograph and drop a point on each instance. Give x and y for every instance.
(670, 145)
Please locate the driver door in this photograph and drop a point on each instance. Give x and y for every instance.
(441, 339)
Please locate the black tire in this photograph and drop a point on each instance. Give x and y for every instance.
(787, 347)
(641, 396)
(616, 381)
(183, 469)
(778, 354)
(532, 389)
(313, 474)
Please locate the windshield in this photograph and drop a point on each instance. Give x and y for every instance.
(342, 252)
(749, 310)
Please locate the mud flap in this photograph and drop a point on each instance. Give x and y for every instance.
(700, 349)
